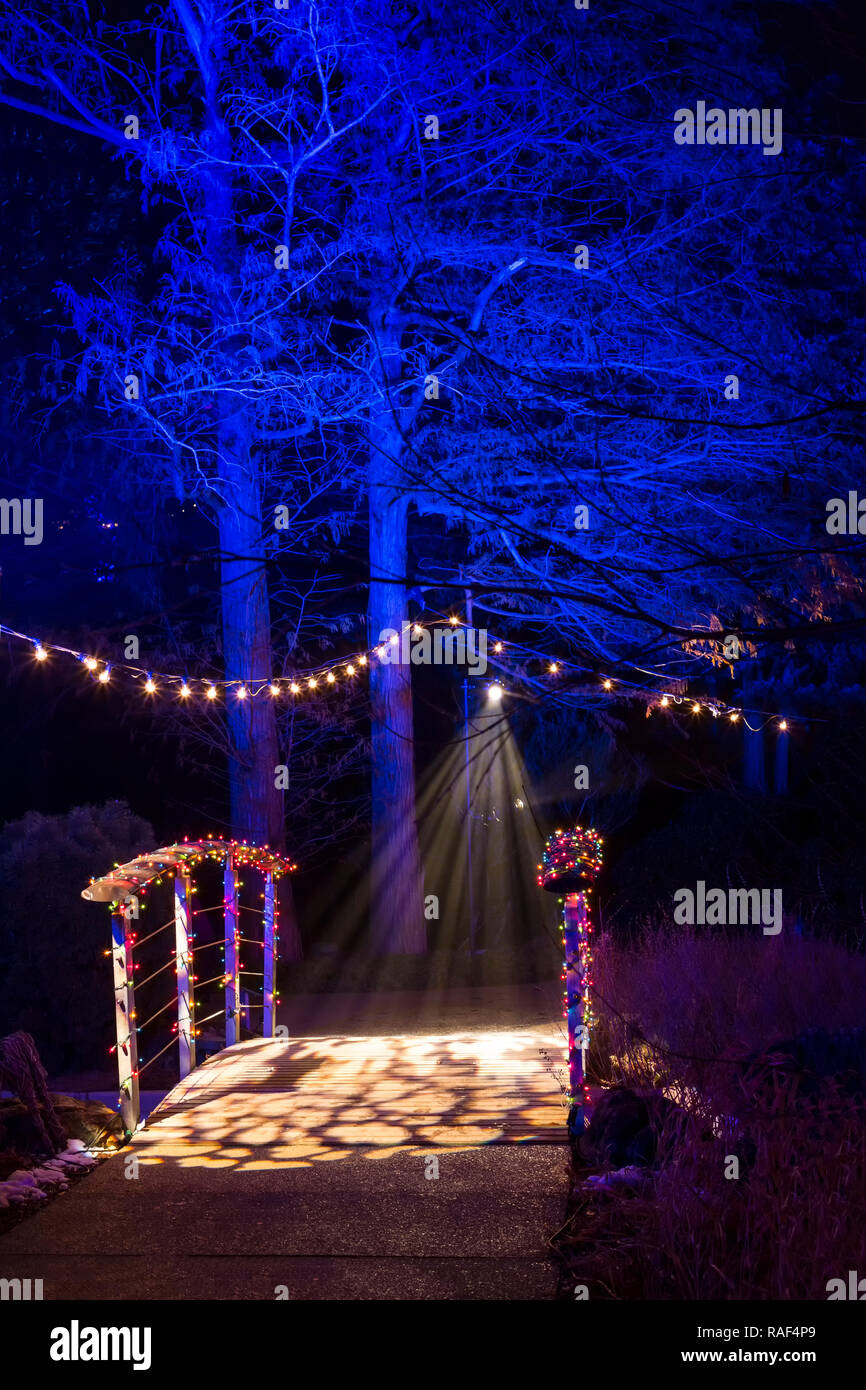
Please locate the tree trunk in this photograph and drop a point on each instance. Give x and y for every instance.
(396, 884)
(256, 803)
(256, 806)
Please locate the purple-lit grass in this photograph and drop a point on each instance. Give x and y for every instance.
(676, 1012)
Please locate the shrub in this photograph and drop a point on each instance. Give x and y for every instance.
(56, 984)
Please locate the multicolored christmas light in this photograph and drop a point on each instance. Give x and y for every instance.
(570, 862)
(125, 888)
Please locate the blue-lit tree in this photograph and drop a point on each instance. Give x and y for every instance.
(198, 357)
(467, 268)
(587, 349)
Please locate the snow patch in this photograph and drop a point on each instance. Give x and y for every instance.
(29, 1184)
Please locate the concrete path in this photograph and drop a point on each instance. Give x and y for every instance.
(383, 1166)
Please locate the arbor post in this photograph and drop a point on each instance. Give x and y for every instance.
(570, 862)
(232, 969)
(124, 1017)
(270, 954)
(183, 969)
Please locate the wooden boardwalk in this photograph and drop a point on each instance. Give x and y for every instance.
(300, 1099)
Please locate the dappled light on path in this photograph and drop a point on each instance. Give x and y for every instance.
(289, 1103)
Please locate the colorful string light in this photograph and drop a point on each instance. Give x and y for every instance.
(570, 862)
(136, 876)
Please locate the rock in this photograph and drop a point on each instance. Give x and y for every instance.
(629, 1178)
(89, 1123)
(624, 1128)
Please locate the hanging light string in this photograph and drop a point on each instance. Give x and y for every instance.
(344, 672)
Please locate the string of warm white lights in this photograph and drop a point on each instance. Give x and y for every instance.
(345, 670)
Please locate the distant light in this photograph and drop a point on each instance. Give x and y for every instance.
(417, 629)
(350, 670)
(696, 709)
(783, 724)
(104, 676)
(185, 691)
(362, 661)
(274, 689)
(380, 651)
(608, 685)
(553, 668)
(331, 678)
(211, 692)
(394, 639)
(90, 663)
(294, 687)
(312, 683)
(496, 692)
(497, 647)
(453, 620)
(664, 702)
(150, 685)
(734, 716)
(242, 692)
(40, 653)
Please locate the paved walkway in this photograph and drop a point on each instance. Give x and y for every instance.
(403, 1165)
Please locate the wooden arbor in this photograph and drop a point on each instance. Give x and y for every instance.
(123, 888)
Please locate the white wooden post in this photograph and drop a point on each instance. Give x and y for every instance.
(270, 954)
(232, 975)
(184, 968)
(124, 1018)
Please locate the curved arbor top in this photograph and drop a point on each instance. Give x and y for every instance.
(134, 876)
